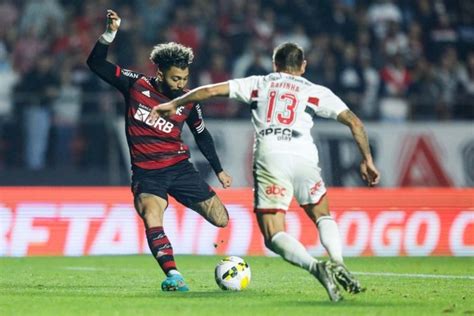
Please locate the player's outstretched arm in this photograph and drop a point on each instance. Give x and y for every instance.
(196, 95)
(367, 168)
(97, 60)
(113, 24)
(206, 145)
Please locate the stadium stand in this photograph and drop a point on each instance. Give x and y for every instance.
(391, 61)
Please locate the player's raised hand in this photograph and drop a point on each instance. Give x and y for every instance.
(224, 179)
(369, 173)
(113, 21)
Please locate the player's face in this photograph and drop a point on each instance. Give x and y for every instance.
(174, 81)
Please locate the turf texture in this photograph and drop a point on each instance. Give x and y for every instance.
(130, 285)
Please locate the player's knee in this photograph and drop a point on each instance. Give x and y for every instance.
(221, 224)
(151, 209)
(225, 221)
(222, 219)
(213, 211)
(152, 218)
(316, 212)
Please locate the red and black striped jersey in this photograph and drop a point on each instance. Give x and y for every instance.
(153, 145)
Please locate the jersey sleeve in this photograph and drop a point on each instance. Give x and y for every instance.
(327, 105)
(122, 79)
(241, 89)
(203, 138)
(195, 120)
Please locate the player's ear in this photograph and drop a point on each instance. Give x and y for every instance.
(159, 74)
(303, 66)
(274, 66)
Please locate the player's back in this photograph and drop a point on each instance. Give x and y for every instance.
(283, 107)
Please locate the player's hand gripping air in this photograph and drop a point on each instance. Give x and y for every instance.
(113, 21)
(224, 179)
(369, 173)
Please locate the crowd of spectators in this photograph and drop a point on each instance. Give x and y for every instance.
(389, 60)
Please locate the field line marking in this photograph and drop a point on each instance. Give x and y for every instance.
(382, 274)
(416, 275)
(83, 268)
(78, 268)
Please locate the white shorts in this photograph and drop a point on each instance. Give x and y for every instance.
(279, 176)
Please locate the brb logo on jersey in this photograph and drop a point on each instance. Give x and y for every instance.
(275, 190)
(142, 114)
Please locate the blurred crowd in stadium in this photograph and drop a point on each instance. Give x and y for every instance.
(394, 61)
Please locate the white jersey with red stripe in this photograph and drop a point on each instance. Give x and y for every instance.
(283, 107)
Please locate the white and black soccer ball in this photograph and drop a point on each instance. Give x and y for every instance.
(232, 273)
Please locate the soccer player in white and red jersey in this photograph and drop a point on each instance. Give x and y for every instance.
(158, 155)
(283, 105)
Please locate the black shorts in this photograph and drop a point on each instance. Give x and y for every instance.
(182, 181)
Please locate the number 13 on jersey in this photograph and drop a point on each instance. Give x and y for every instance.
(281, 100)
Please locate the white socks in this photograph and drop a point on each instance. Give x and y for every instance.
(292, 251)
(173, 272)
(330, 238)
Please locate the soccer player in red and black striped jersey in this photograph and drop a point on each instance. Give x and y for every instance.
(159, 157)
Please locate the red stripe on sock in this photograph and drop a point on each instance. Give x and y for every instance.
(167, 251)
(168, 265)
(160, 242)
(157, 229)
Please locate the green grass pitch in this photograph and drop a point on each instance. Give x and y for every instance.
(130, 285)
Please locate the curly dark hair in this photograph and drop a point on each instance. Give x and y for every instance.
(288, 56)
(171, 54)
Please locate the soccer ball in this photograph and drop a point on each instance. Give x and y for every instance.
(232, 273)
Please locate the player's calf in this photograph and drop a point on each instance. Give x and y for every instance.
(213, 211)
(161, 248)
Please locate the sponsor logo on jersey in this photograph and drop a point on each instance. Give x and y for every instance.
(275, 190)
(143, 115)
(314, 189)
(182, 149)
(179, 110)
(198, 109)
(282, 133)
(130, 73)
